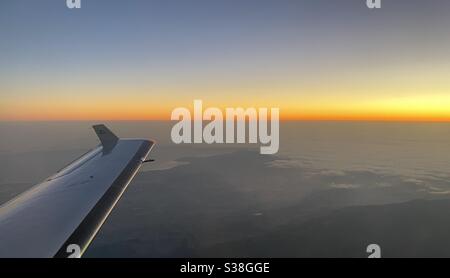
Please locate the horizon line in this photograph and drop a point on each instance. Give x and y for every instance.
(281, 120)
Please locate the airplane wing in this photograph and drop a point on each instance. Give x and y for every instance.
(60, 216)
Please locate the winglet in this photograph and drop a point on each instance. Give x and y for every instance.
(107, 138)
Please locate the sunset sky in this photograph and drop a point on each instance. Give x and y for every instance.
(138, 60)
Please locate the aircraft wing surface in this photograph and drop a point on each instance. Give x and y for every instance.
(60, 216)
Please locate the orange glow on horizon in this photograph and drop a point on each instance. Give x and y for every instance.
(428, 108)
(165, 116)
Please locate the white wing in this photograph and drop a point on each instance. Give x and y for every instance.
(64, 213)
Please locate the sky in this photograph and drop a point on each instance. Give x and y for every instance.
(140, 59)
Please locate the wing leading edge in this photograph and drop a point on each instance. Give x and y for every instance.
(68, 209)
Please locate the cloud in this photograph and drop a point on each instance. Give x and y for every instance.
(286, 163)
(344, 185)
(413, 180)
(438, 191)
(332, 173)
